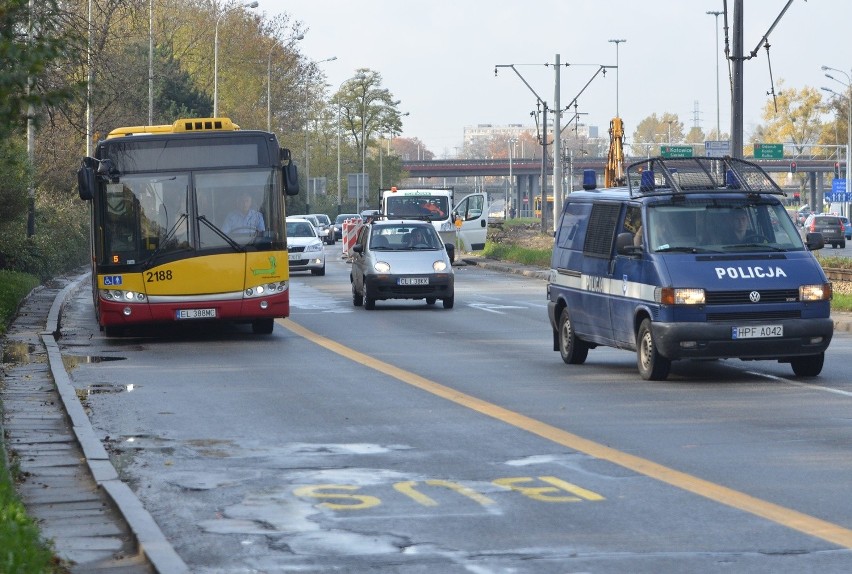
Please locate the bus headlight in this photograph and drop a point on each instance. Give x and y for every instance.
(265, 289)
(122, 296)
(815, 292)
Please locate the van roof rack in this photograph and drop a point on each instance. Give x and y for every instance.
(670, 176)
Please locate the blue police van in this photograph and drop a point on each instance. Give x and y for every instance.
(695, 258)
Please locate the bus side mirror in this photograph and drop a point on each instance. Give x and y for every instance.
(86, 179)
(291, 178)
(289, 171)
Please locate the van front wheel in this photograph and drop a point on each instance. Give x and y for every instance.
(573, 350)
(809, 366)
(652, 365)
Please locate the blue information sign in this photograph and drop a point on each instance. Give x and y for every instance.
(838, 193)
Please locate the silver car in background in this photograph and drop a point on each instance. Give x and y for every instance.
(401, 259)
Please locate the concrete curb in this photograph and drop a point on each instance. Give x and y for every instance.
(149, 538)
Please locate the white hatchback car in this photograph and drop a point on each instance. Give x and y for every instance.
(304, 246)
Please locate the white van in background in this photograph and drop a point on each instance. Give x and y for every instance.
(437, 206)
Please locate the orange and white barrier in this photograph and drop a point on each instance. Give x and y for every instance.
(350, 234)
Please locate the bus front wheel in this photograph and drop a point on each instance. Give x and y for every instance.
(262, 326)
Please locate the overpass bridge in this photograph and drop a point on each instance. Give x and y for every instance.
(526, 173)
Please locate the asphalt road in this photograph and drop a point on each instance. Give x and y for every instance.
(418, 439)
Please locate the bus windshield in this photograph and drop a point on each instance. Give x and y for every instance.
(147, 215)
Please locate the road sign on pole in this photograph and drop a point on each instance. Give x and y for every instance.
(676, 151)
(717, 148)
(768, 151)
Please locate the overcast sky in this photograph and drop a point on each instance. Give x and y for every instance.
(438, 57)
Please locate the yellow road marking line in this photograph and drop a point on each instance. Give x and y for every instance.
(780, 515)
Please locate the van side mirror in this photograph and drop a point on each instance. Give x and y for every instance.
(814, 241)
(624, 245)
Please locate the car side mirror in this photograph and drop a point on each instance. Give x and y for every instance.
(451, 251)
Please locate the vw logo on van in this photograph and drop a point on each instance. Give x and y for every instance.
(754, 296)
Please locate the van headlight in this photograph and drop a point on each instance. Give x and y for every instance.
(815, 292)
(673, 296)
(382, 267)
(439, 266)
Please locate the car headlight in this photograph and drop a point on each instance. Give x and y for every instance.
(382, 267)
(314, 247)
(439, 266)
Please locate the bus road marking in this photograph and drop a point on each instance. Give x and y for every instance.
(348, 497)
(793, 519)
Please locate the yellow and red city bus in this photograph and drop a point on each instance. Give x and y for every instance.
(187, 224)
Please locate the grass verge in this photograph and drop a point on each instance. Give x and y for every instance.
(21, 548)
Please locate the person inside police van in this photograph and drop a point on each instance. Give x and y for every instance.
(740, 225)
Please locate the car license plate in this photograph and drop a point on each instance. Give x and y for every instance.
(295, 256)
(413, 281)
(195, 314)
(757, 332)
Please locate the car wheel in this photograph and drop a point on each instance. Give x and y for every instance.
(357, 300)
(369, 302)
(843, 244)
(262, 326)
(318, 271)
(652, 365)
(809, 366)
(573, 350)
(449, 302)
(430, 300)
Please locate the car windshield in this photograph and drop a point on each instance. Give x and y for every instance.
(404, 238)
(344, 216)
(721, 226)
(300, 229)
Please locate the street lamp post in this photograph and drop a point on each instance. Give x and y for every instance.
(510, 189)
(307, 140)
(253, 4)
(718, 124)
(616, 42)
(269, 79)
(848, 86)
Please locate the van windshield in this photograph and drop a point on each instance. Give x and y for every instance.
(721, 226)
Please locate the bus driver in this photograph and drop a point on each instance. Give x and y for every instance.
(245, 219)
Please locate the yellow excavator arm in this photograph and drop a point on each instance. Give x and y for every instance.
(614, 172)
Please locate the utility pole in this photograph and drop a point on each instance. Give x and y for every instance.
(737, 84)
(557, 151)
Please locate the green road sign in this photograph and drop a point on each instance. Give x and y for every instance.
(768, 151)
(676, 151)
